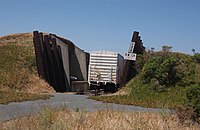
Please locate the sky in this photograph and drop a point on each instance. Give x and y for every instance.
(108, 24)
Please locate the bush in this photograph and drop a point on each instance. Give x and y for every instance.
(174, 69)
(193, 96)
(150, 69)
(197, 74)
(156, 86)
(196, 57)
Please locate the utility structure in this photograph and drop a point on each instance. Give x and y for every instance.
(136, 47)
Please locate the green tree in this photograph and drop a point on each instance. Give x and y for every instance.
(166, 48)
(194, 51)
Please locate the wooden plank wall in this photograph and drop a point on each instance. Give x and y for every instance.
(49, 61)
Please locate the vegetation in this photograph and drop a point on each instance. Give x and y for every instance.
(169, 70)
(16, 64)
(13, 96)
(193, 96)
(18, 75)
(196, 57)
(63, 119)
(166, 80)
(144, 95)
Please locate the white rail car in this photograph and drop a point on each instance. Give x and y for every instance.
(105, 70)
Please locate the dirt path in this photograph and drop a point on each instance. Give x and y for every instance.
(71, 101)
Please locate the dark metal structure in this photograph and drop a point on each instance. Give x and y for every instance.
(58, 60)
(130, 69)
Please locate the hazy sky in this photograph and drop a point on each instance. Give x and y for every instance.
(108, 24)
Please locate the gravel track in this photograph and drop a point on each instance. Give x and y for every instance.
(71, 101)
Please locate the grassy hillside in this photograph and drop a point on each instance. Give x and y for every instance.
(18, 67)
(166, 80)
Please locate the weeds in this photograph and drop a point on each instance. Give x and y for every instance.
(51, 119)
(47, 117)
(13, 96)
(143, 95)
(186, 115)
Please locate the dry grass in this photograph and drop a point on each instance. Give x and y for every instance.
(101, 120)
(123, 91)
(17, 38)
(18, 68)
(37, 86)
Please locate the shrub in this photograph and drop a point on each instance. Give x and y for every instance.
(156, 86)
(193, 96)
(196, 57)
(197, 74)
(150, 69)
(174, 69)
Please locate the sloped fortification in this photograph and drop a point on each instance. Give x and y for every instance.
(59, 61)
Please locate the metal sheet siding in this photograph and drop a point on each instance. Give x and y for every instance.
(105, 66)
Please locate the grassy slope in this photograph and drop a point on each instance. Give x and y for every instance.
(141, 94)
(18, 69)
(13, 96)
